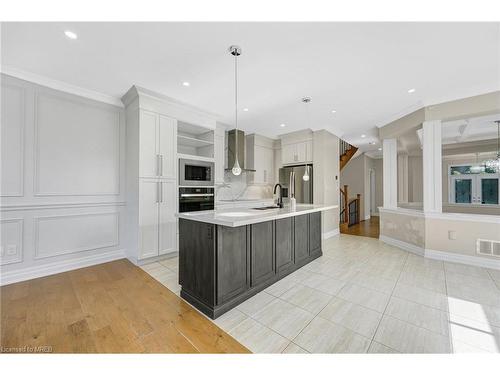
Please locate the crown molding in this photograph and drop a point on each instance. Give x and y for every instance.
(61, 86)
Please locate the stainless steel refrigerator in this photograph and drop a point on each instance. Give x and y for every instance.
(303, 188)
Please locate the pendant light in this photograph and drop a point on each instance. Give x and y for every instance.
(306, 100)
(477, 168)
(494, 164)
(236, 51)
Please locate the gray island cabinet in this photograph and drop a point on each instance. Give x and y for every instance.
(221, 266)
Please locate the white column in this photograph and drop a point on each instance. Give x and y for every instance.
(432, 166)
(403, 178)
(390, 176)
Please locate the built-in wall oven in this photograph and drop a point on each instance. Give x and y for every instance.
(196, 199)
(196, 173)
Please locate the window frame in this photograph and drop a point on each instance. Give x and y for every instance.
(476, 199)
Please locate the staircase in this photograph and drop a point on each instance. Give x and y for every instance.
(346, 151)
(349, 209)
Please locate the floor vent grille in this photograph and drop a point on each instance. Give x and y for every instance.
(488, 247)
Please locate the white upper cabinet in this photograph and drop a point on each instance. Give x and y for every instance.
(260, 156)
(157, 149)
(297, 148)
(148, 144)
(167, 152)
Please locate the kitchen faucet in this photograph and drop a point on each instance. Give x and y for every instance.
(280, 198)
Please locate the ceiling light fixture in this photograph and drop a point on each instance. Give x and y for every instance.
(334, 111)
(306, 100)
(245, 109)
(380, 148)
(236, 51)
(282, 125)
(363, 135)
(411, 91)
(187, 84)
(70, 35)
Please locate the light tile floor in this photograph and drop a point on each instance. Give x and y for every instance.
(365, 296)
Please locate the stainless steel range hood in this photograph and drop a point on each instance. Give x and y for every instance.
(231, 149)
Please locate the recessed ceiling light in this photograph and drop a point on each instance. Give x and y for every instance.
(380, 148)
(372, 143)
(334, 111)
(282, 125)
(187, 84)
(363, 135)
(245, 109)
(411, 91)
(70, 34)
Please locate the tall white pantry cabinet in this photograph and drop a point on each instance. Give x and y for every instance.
(151, 160)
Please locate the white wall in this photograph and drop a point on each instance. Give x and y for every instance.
(326, 178)
(356, 176)
(415, 179)
(62, 192)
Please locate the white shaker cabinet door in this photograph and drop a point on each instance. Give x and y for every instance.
(148, 218)
(167, 221)
(288, 154)
(148, 144)
(168, 144)
(301, 152)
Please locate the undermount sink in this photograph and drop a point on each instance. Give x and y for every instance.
(237, 214)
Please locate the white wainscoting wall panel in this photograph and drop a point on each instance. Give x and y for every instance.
(63, 178)
(12, 137)
(11, 232)
(75, 141)
(69, 234)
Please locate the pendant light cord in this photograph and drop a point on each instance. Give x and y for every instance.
(236, 102)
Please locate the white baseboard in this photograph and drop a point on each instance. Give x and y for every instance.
(34, 272)
(443, 255)
(402, 245)
(464, 259)
(331, 234)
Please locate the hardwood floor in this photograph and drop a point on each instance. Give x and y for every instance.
(110, 308)
(365, 228)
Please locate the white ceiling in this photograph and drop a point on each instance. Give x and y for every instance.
(361, 70)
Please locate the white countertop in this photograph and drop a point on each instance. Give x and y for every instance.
(244, 216)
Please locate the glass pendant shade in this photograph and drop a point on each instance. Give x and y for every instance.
(236, 167)
(305, 177)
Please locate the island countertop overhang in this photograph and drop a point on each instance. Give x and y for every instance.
(239, 217)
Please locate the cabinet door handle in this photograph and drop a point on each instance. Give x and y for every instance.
(161, 191)
(161, 165)
(157, 164)
(157, 192)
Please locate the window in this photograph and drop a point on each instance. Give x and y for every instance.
(472, 184)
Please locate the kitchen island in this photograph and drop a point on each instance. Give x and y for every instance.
(227, 256)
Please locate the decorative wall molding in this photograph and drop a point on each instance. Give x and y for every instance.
(114, 242)
(450, 216)
(19, 242)
(464, 259)
(21, 149)
(402, 245)
(51, 206)
(61, 86)
(59, 266)
(36, 152)
(331, 234)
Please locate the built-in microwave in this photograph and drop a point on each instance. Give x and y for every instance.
(196, 173)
